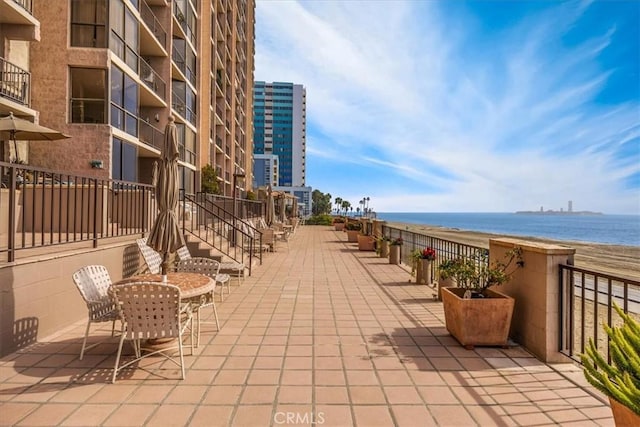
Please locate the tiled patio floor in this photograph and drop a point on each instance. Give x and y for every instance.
(321, 334)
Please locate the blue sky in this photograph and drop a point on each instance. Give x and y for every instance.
(455, 106)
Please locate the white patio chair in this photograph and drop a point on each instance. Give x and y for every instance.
(222, 278)
(93, 282)
(152, 258)
(151, 310)
(210, 268)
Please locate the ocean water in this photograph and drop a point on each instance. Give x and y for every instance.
(613, 229)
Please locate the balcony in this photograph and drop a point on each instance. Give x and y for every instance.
(179, 105)
(178, 55)
(150, 134)
(154, 83)
(153, 37)
(17, 20)
(15, 83)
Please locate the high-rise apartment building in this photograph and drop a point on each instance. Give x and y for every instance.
(18, 29)
(279, 123)
(280, 129)
(109, 73)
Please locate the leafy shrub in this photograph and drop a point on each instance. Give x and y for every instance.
(323, 219)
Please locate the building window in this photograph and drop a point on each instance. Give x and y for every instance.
(124, 102)
(88, 95)
(88, 23)
(124, 34)
(124, 164)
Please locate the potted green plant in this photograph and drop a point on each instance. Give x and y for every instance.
(394, 250)
(475, 314)
(620, 379)
(338, 223)
(353, 229)
(447, 270)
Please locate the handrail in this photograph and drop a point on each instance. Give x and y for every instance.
(218, 231)
(42, 207)
(586, 302)
(445, 249)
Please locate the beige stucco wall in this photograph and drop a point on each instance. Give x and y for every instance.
(38, 298)
(536, 289)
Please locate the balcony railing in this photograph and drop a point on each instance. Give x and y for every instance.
(152, 22)
(152, 79)
(179, 59)
(150, 134)
(25, 4)
(40, 207)
(586, 302)
(178, 104)
(15, 83)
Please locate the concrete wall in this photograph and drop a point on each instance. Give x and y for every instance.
(536, 289)
(39, 298)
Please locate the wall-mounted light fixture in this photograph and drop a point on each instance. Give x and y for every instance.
(96, 164)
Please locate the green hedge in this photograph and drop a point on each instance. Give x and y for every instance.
(319, 220)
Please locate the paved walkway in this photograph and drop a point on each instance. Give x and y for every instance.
(321, 334)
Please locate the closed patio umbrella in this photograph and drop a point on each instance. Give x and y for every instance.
(15, 128)
(282, 217)
(271, 208)
(165, 236)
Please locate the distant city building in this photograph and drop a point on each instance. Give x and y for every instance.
(265, 170)
(279, 125)
(304, 198)
(279, 131)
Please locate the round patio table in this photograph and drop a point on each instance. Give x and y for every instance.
(191, 285)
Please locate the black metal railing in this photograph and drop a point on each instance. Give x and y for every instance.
(152, 79)
(153, 23)
(15, 83)
(40, 207)
(445, 249)
(586, 303)
(219, 229)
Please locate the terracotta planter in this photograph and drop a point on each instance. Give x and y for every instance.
(339, 226)
(394, 254)
(478, 321)
(623, 416)
(352, 236)
(445, 283)
(365, 243)
(384, 248)
(427, 276)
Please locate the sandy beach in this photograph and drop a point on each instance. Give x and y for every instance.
(612, 259)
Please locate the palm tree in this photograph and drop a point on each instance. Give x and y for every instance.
(345, 206)
(338, 203)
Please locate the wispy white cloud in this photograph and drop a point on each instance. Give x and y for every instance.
(407, 100)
